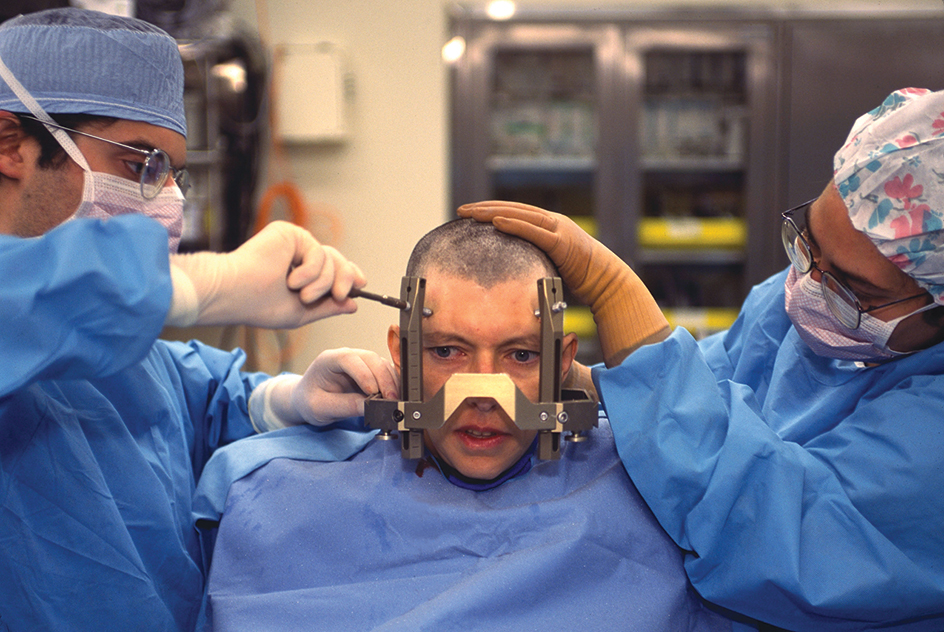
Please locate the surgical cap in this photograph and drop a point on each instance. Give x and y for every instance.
(890, 174)
(76, 61)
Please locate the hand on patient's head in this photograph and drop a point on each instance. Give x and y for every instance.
(567, 245)
(625, 313)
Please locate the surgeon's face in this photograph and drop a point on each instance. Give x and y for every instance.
(481, 330)
(46, 197)
(849, 255)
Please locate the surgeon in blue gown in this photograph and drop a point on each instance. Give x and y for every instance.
(478, 534)
(798, 456)
(104, 429)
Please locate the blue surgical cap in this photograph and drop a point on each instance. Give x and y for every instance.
(76, 61)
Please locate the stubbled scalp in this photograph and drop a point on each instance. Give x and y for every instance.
(477, 251)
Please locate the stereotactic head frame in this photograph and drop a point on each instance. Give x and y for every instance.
(557, 411)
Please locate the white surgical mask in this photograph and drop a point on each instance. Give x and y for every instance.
(807, 309)
(105, 195)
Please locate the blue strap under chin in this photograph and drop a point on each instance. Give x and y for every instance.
(478, 485)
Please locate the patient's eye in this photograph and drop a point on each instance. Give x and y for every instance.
(443, 352)
(525, 356)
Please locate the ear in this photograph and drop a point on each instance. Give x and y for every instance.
(12, 137)
(568, 353)
(393, 344)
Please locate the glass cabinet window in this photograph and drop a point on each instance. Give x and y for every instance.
(636, 129)
(691, 228)
(694, 105)
(543, 128)
(543, 104)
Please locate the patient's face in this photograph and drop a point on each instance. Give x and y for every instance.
(477, 330)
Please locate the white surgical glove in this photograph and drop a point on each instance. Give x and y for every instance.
(280, 278)
(333, 387)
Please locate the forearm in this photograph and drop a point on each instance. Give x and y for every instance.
(270, 405)
(87, 299)
(629, 319)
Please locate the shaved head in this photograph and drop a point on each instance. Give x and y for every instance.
(473, 250)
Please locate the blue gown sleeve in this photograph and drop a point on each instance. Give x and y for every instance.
(837, 529)
(215, 392)
(85, 300)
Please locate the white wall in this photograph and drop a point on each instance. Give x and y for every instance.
(388, 184)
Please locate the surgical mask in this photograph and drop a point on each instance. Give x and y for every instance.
(105, 195)
(807, 309)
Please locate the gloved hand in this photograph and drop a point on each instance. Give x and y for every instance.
(333, 387)
(280, 278)
(626, 315)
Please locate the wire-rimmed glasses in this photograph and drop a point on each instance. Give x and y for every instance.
(842, 302)
(153, 171)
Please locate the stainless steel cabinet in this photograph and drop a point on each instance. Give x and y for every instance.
(698, 121)
(647, 134)
(675, 137)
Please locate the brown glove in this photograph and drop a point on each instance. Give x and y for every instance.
(626, 315)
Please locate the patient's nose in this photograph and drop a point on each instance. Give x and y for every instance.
(482, 404)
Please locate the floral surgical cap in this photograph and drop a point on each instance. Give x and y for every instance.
(890, 174)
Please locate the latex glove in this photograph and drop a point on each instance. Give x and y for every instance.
(626, 315)
(333, 387)
(280, 278)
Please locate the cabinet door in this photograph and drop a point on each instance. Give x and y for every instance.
(699, 97)
(530, 106)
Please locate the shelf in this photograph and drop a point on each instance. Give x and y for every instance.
(725, 233)
(690, 257)
(701, 164)
(564, 164)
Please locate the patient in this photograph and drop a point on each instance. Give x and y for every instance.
(478, 535)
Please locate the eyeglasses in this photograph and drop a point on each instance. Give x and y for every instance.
(841, 300)
(153, 171)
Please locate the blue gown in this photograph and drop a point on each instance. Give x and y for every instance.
(103, 432)
(376, 544)
(809, 491)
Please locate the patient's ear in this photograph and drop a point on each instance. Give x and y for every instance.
(568, 353)
(393, 344)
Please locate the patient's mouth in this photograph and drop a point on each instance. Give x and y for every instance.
(481, 438)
